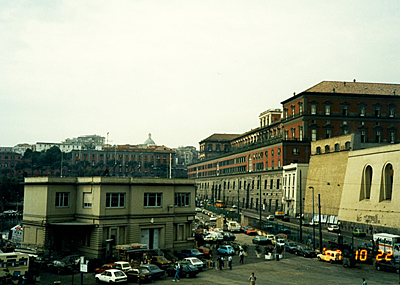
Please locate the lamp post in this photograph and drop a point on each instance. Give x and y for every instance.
(312, 188)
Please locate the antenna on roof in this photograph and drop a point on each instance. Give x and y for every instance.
(294, 93)
(354, 80)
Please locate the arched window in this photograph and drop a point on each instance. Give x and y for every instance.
(387, 183)
(318, 150)
(337, 147)
(347, 145)
(326, 148)
(365, 191)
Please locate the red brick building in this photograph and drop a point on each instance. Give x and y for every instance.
(255, 158)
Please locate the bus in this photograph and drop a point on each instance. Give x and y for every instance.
(16, 263)
(220, 204)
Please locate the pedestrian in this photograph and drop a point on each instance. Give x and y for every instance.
(241, 256)
(219, 260)
(223, 261)
(177, 268)
(364, 281)
(230, 262)
(252, 279)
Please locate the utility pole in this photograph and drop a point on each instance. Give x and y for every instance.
(319, 223)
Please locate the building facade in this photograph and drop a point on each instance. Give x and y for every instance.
(326, 110)
(82, 214)
(371, 196)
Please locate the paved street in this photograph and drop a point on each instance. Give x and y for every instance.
(291, 269)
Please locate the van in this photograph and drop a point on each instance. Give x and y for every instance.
(233, 226)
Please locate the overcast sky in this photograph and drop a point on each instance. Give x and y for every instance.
(180, 70)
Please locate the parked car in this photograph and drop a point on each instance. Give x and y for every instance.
(333, 228)
(186, 270)
(59, 267)
(107, 266)
(111, 276)
(270, 217)
(261, 240)
(359, 233)
(64, 265)
(313, 224)
(191, 252)
(160, 261)
(213, 236)
(140, 274)
(280, 242)
(305, 252)
(204, 250)
(332, 256)
(226, 250)
(290, 247)
(195, 261)
(250, 231)
(125, 265)
(229, 236)
(388, 266)
(155, 270)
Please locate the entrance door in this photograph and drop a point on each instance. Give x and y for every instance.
(150, 237)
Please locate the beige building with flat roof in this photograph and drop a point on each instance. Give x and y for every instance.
(371, 193)
(85, 213)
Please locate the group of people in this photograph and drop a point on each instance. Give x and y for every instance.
(221, 262)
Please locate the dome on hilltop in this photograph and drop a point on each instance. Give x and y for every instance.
(149, 141)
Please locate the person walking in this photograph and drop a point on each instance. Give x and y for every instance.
(230, 262)
(219, 260)
(252, 279)
(364, 281)
(177, 268)
(241, 256)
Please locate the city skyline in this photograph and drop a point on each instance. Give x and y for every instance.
(178, 70)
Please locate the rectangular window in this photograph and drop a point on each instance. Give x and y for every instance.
(115, 200)
(313, 135)
(87, 200)
(327, 110)
(313, 109)
(62, 199)
(182, 199)
(152, 199)
(345, 110)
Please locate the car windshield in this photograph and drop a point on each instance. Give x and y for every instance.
(195, 251)
(153, 267)
(195, 260)
(162, 259)
(144, 270)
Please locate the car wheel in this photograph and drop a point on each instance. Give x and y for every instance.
(187, 275)
(397, 271)
(378, 268)
(331, 261)
(319, 258)
(97, 280)
(305, 255)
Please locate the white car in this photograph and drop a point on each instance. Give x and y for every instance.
(213, 236)
(270, 217)
(125, 265)
(280, 242)
(195, 261)
(111, 276)
(333, 228)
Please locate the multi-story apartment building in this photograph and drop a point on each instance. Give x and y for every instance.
(85, 213)
(9, 161)
(126, 160)
(328, 109)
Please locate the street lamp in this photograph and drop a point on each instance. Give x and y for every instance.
(312, 188)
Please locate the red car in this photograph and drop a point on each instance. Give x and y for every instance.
(106, 267)
(204, 250)
(250, 231)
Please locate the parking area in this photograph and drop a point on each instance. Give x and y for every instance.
(291, 269)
